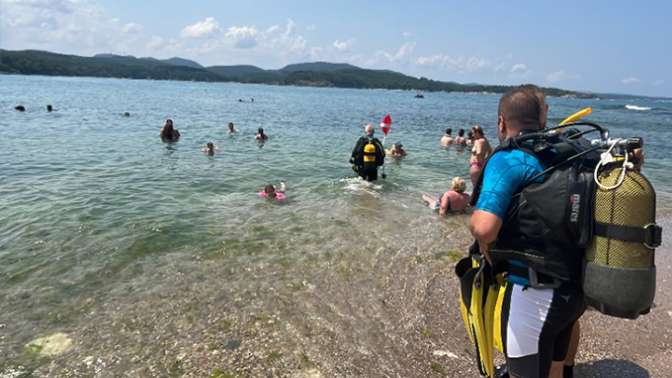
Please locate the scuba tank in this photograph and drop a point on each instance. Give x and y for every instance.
(619, 269)
(369, 157)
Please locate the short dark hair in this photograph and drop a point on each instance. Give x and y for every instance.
(460, 132)
(449, 131)
(521, 107)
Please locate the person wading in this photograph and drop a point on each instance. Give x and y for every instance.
(368, 155)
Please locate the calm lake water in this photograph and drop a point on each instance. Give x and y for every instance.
(94, 208)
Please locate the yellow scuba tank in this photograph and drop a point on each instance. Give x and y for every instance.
(619, 269)
(369, 153)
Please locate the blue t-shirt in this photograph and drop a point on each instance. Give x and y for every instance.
(506, 172)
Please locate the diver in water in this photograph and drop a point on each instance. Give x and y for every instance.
(368, 155)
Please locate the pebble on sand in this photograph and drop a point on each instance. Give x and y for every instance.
(52, 345)
(444, 353)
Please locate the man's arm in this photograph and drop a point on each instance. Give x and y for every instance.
(355, 150)
(485, 227)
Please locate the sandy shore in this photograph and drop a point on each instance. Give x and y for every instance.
(391, 312)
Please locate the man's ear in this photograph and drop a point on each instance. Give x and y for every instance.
(501, 125)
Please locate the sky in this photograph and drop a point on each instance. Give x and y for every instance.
(599, 46)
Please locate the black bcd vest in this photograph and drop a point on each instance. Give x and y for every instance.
(548, 224)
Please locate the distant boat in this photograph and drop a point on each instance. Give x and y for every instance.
(419, 95)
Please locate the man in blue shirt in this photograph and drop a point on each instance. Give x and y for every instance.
(539, 320)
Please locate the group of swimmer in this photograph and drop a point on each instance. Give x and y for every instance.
(169, 134)
(368, 155)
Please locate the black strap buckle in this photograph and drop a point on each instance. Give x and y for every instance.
(534, 281)
(653, 236)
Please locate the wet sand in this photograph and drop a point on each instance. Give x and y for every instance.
(391, 311)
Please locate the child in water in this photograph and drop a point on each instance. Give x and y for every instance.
(209, 148)
(454, 200)
(273, 193)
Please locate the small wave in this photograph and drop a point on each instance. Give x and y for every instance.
(637, 108)
(357, 185)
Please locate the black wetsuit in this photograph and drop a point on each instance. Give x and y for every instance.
(367, 170)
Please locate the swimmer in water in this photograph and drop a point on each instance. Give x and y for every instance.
(209, 148)
(260, 135)
(470, 139)
(273, 193)
(50, 108)
(127, 114)
(460, 140)
(232, 128)
(169, 133)
(447, 138)
(20, 108)
(454, 200)
(397, 150)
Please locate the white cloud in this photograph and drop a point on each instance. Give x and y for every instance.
(67, 26)
(630, 80)
(243, 37)
(559, 76)
(519, 68)
(407, 34)
(200, 29)
(658, 83)
(343, 45)
(403, 52)
(459, 64)
(155, 42)
(132, 27)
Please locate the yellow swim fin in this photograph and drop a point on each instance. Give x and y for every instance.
(577, 116)
(478, 296)
(497, 319)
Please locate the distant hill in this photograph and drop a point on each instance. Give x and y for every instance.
(319, 67)
(34, 62)
(236, 71)
(322, 74)
(176, 61)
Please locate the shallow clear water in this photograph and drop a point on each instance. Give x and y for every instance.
(90, 199)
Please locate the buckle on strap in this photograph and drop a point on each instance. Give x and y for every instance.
(650, 235)
(653, 236)
(534, 281)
